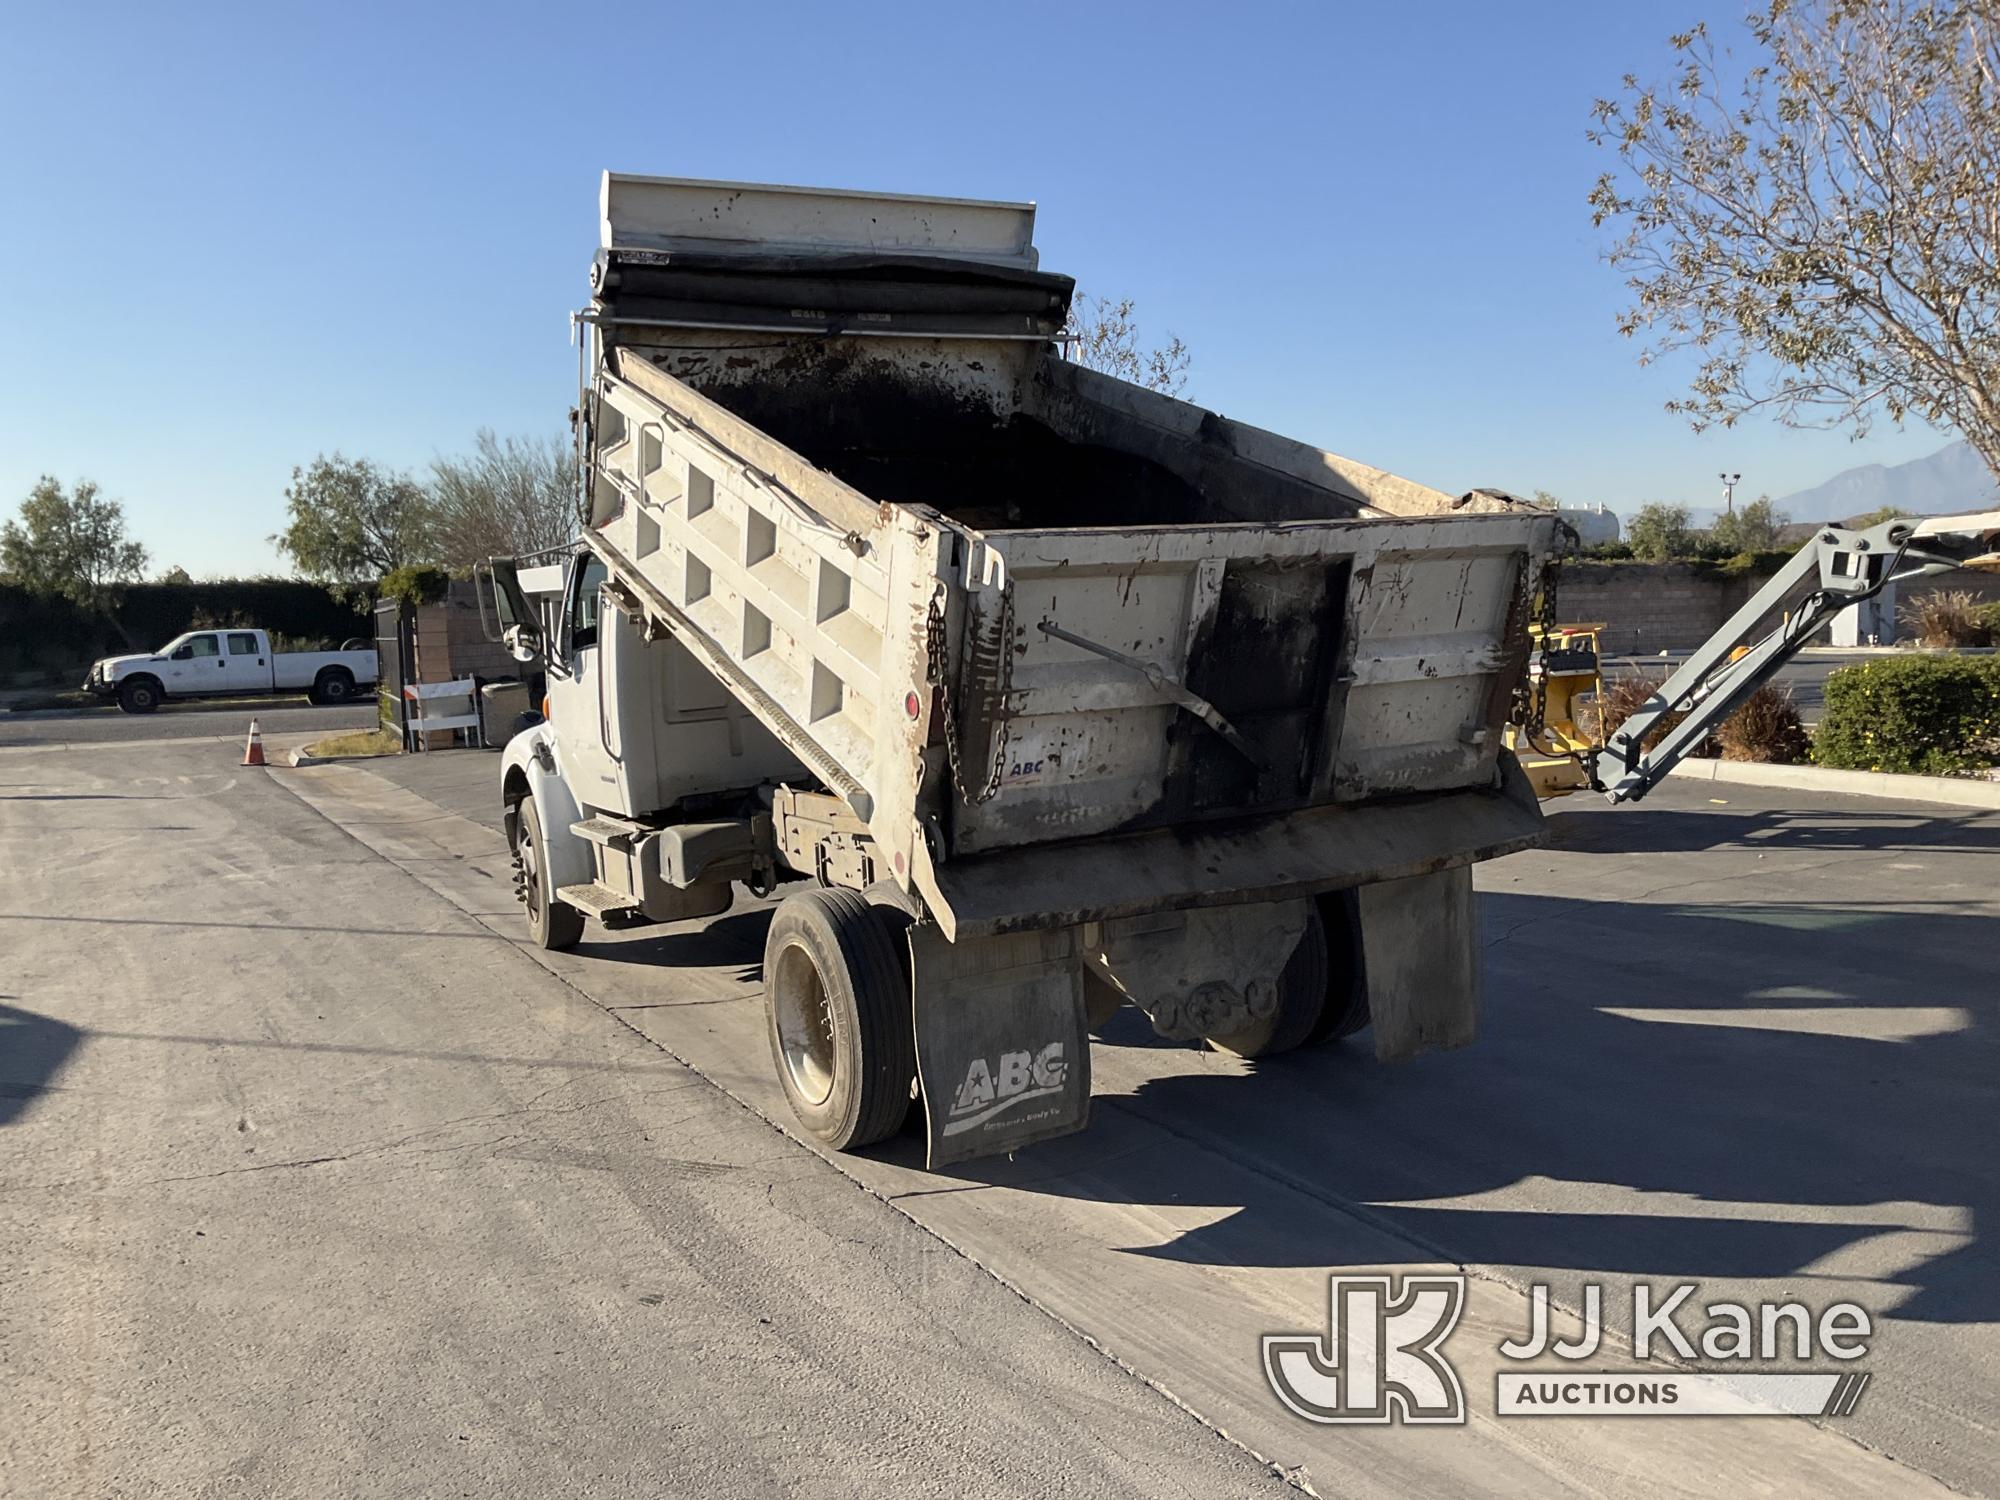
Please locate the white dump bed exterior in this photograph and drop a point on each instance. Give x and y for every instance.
(1352, 637)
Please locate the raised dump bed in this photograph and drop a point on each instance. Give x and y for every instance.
(1050, 654)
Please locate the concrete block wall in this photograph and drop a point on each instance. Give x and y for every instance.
(1653, 607)
(1650, 607)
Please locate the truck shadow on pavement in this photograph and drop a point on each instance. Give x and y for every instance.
(33, 1050)
(734, 940)
(1860, 829)
(1794, 1092)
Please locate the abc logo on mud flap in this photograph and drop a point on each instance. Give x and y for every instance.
(1014, 1078)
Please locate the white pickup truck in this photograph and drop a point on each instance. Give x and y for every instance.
(217, 663)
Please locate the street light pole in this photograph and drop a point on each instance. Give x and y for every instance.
(1729, 491)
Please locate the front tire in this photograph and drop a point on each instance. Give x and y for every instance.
(139, 695)
(837, 1009)
(554, 924)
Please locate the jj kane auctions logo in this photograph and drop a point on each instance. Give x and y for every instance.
(1382, 1357)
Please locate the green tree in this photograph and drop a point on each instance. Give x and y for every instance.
(350, 520)
(70, 543)
(1877, 516)
(1821, 226)
(503, 498)
(1657, 532)
(1106, 337)
(1754, 528)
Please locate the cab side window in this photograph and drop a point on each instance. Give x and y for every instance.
(203, 645)
(242, 643)
(583, 606)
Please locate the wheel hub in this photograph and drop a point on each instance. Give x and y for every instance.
(805, 1024)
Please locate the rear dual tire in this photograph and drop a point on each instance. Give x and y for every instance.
(1301, 1001)
(837, 1011)
(1322, 993)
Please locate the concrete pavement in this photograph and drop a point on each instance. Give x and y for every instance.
(314, 1183)
(1737, 1039)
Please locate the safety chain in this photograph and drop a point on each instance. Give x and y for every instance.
(937, 668)
(1531, 696)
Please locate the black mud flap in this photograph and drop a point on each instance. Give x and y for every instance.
(1420, 953)
(1003, 1046)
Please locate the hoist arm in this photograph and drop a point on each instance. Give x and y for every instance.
(1839, 569)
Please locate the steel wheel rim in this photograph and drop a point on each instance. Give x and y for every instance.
(805, 1024)
(531, 876)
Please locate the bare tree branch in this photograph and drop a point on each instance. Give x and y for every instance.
(1821, 224)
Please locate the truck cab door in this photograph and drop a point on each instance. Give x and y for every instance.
(196, 665)
(579, 698)
(246, 664)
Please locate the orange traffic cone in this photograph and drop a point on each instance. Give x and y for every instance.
(253, 752)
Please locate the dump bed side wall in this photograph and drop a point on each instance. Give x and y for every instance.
(1269, 477)
(808, 602)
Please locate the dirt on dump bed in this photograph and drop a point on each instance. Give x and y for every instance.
(913, 442)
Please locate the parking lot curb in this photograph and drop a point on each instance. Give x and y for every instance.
(1950, 791)
(303, 757)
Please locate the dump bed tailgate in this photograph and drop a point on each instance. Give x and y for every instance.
(1155, 675)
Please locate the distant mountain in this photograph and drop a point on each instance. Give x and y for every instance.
(1951, 479)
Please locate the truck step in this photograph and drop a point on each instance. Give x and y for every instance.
(603, 828)
(595, 900)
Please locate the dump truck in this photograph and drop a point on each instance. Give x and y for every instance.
(1044, 693)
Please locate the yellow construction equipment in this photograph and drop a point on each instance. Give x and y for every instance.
(1565, 663)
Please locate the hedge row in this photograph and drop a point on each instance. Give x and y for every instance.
(51, 637)
(1931, 715)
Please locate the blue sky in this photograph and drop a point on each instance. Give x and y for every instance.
(237, 236)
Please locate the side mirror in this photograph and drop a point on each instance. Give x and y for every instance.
(523, 642)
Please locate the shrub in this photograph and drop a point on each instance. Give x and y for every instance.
(418, 583)
(1617, 701)
(1934, 715)
(1760, 564)
(1947, 617)
(1765, 727)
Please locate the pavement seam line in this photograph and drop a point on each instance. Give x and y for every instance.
(1294, 1477)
